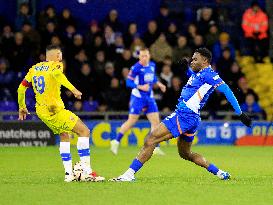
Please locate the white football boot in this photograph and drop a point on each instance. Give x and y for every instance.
(158, 151)
(223, 175)
(69, 177)
(114, 146)
(93, 177)
(123, 178)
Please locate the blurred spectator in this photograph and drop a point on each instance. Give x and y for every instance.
(212, 36)
(42, 57)
(160, 49)
(251, 106)
(182, 49)
(109, 35)
(204, 19)
(56, 41)
(87, 82)
(166, 75)
(113, 21)
(66, 19)
(171, 34)
(98, 45)
(18, 53)
(77, 46)
(198, 42)
(136, 46)
(23, 17)
(125, 60)
(69, 32)
(79, 59)
(48, 34)
(93, 31)
(243, 90)
(77, 106)
(7, 78)
(49, 15)
(115, 50)
(151, 34)
(124, 74)
(114, 97)
(255, 27)
(191, 33)
(234, 75)
(219, 46)
(107, 76)
(131, 34)
(172, 95)
(6, 39)
(164, 19)
(99, 62)
(224, 64)
(32, 38)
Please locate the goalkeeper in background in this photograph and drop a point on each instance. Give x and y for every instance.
(46, 79)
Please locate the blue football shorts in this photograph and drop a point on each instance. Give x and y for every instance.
(146, 105)
(182, 124)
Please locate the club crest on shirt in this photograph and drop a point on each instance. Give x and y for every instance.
(216, 77)
(149, 77)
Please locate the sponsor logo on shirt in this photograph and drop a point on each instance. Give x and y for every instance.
(216, 77)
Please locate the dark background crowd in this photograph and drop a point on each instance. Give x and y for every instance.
(98, 55)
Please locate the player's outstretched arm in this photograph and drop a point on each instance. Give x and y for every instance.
(21, 99)
(223, 88)
(61, 78)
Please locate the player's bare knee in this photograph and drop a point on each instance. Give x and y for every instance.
(64, 137)
(184, 155)
(86, 132)
(150, 141)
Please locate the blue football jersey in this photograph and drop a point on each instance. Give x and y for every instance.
(142, 75)
(196, 92)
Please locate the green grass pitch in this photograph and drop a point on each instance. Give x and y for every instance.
(35, 176)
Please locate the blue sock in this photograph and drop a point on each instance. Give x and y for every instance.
(120, 135)
(136, 165)
(213, 169)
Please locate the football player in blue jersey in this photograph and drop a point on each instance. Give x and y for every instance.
(141, 79)
(184, 121)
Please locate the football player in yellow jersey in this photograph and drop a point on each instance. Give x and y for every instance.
(46, 78)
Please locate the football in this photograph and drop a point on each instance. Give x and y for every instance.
(78, 171)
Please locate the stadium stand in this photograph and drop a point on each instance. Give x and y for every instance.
(99, 52)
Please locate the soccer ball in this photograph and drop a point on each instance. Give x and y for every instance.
(78, 171)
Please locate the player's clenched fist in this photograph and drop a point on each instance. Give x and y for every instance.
(23, 113)
(77, 93)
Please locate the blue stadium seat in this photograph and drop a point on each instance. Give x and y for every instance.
(90, 106)
(8, 106)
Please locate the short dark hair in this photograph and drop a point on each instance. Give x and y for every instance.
(52, 47)
(205, 53)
